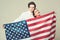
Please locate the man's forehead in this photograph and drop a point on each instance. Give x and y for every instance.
(31, 5)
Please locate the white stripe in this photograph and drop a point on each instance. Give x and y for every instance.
(44, 18)
(45, 28)
(38, 25)
(52, 35)
(39, 35)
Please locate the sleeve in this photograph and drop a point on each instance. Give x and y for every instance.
(20, 17)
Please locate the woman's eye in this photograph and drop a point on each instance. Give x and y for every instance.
(38, 12)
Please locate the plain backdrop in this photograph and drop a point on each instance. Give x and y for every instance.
(12, 9)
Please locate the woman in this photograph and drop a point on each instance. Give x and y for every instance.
(36, 13)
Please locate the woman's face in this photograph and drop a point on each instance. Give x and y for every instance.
(37, 13)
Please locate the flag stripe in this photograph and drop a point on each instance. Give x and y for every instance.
(42, 31)
(33, 32)
(45, 36)
(40, 19)
(38, 22)
(50, 21)
(42, 27)
(41, 16)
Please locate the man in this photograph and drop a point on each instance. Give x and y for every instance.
(28, 14)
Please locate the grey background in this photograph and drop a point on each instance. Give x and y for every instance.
(12, 9)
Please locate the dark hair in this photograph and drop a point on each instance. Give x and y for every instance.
(34, 14)
(32, 4)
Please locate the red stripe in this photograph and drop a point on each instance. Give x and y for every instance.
(48, 30)
(52, 37)
(46, 25)
(39, 22)
(40, 32)
(52, 27)
(31, 19)
(53, 22)
(45, 36)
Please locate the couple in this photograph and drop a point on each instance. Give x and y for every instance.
(32, 12)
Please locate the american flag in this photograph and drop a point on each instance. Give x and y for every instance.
(41, 28)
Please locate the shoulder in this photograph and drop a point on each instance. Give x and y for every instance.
(26, 12)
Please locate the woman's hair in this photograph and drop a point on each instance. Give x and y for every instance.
(34, 14)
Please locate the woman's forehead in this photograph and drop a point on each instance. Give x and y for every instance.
(35, 10)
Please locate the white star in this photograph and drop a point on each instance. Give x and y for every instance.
(21, 35)
(18, 30)
(13, 31)
(25, 28)
(24, 22)
(16, 38)
(18, 34)
(20, 23)
(13, 28)
(24, 31)
(21, 30)
(25, 25)
(7, 30)
(11, 35)
(20, 26)
(8, 25)
(27, 35)
(8, 34)
(12, 24)
(15, 34)
(16, 24)
(27, 32)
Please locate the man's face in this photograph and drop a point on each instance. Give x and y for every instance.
(31, 8)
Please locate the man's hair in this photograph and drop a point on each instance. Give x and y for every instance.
(31, 3)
